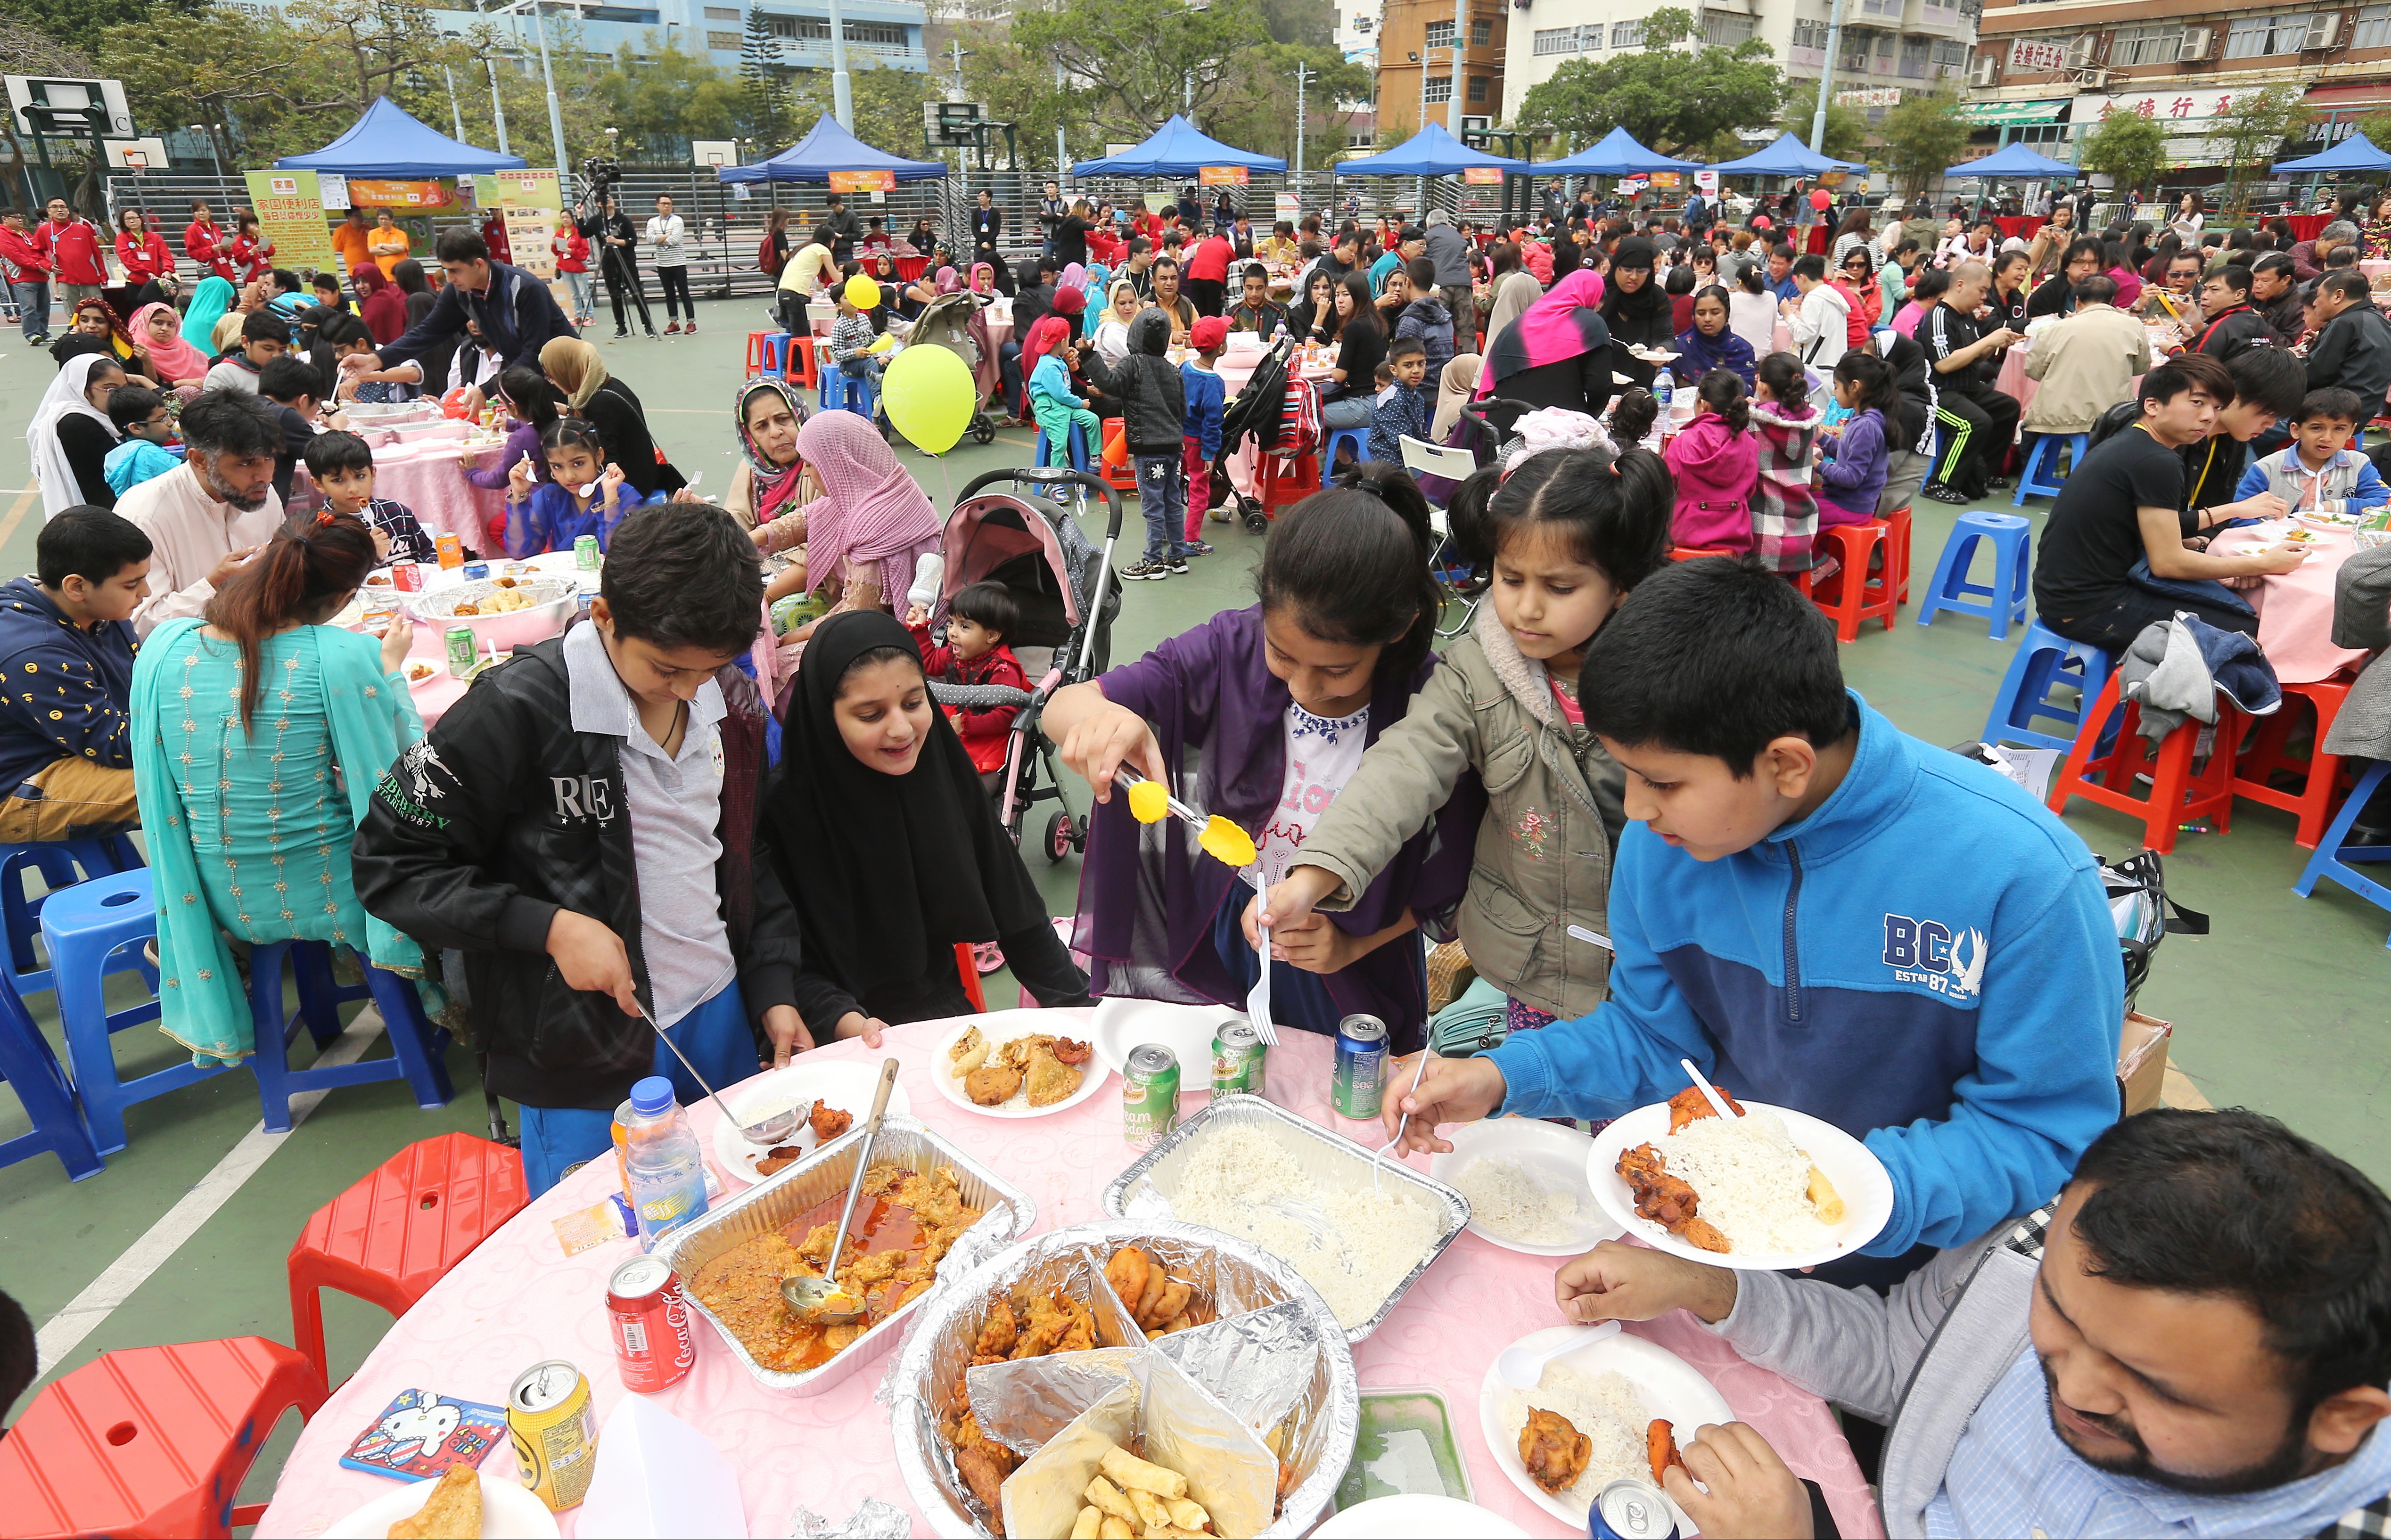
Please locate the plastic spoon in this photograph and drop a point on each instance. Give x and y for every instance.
(1709, 1093)
(1522, 1368)
(810, 1298)
(1379, 1153)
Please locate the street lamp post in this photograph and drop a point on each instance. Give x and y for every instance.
(1827, 79)
(497, 109)
(548, 73)
(456, 116)
(842, 93)
(213, 159)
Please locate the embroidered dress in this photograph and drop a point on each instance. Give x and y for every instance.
(249, 833)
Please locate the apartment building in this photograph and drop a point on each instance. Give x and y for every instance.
(1889, 48)
(886, 32)
(2048, 72)
(1421, 50)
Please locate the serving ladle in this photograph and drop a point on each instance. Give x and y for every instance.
(821, 1301)
(766, 1131)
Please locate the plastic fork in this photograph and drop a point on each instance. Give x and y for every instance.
(1710, 1091)
(1380, 1152)
(1258, 999)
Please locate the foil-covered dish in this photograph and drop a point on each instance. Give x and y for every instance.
(1145, 1189)
(1249, 1397)
(820, 1178)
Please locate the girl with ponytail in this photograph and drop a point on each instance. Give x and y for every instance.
(259, 733)
(1261, 715)
(1713, 461)
(1561, 538)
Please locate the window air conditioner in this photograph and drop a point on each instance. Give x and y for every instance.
(2080, 52)
(1982, 70)
(2196, 46)
(2324, 31)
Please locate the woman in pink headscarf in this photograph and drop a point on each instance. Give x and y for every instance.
(158, 328)
(1558, 353)
(867, 531)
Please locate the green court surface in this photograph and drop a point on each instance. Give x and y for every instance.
(2283, 1008)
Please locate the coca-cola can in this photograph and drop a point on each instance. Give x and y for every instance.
(650, 1318)
(406, 576)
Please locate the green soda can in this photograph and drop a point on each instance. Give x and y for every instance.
(1238, 1058)
(1149, 1094)
(461, 651)
(584, 553)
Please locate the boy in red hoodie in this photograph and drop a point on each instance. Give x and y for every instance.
(979, 620)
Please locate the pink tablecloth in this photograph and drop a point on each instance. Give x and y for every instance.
(2295, 608)
(426, 475)
(517, 1300)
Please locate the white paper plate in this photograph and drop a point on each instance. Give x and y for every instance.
(1554, 1156)
(1122, 1025)
(1859, 1177)
(1001, 1028)
(508, 1511)
(847, 1084)
(1410, 1513)
(1669, 1386)
(2328, 524)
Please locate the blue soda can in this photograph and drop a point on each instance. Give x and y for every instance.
(1360, 1077)
(1631, 1509)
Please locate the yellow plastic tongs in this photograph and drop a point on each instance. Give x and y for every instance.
(1151, 802)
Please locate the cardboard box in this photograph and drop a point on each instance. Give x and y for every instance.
(2142, 1060)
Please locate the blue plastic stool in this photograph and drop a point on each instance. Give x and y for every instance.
(2045, 455)
(776, 356)
(1077, 450)
(2335, 858)
(94, 929)
(2045, 658)
(62, 864)
(1361, 437)
(27, 1063)
(415, 1045)
(841, 394)
(1951, 589)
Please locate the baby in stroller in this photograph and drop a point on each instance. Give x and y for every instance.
(979, 617)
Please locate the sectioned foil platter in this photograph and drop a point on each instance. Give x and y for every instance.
(1144, 1189)
(821, 1177)
(1321, 1406)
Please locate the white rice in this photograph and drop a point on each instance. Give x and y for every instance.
(1242, 1180)
(1750, 1182)
(1605, 1408)
(1506, 1199)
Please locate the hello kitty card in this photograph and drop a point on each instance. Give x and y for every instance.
(421, 1434)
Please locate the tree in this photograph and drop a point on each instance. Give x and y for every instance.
(667, 97)
(1923, 134)
(2127, 148)
(763, 89)
(887, 105)
(1668, 98)
(2251, 134)
(25, 51)
(1847, 126)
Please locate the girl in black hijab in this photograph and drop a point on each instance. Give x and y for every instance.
(889, 846)
(1636, 308)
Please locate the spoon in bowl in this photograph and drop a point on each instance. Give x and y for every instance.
(822, 1300)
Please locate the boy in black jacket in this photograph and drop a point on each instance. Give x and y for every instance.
(1154, 409)
(582, 825)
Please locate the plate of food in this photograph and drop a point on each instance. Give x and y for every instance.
(419, 671)
(1525, 1180)
(2319, 518)
(1002, 1065)
(841, 1091)
(464, 1503)
(1617, 1406)
(1122, 1025)
(1769, 1189)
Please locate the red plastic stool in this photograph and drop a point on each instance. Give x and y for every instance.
(801, 370)
(399, 1230)
(151, 1441)
(1287, 479)
(2177, 794)
(2313, 803)
(1851, 595)
(758, 354)
(967, 966)
(1897, 551)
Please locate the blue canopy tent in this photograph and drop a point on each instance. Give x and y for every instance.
(1177, 149)
(1430, 152)
(2355, 154)
(826, 148)
(1788, 157)
(390, 141)
(2019, 162)
(1618, 154)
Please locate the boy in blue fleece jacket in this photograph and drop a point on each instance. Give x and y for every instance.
(1822, 913)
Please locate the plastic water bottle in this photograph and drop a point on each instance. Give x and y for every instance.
(1663, 387)
(667, 1174)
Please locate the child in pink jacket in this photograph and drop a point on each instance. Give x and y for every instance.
(1714, 462)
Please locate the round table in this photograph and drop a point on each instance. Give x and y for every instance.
(517, 1299)
(422, 471)
(2295, 608)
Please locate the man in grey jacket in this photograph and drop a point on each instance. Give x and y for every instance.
(1449, 250)
(2195, 1342)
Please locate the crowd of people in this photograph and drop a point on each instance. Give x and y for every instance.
(1635, 791)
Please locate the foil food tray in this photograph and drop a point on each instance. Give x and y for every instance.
(821, 1177)
(920, 1384)
(1144, 1189)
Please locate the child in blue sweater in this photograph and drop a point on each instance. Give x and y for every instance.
(1824, 913)
(2316, 473)
(1404, 409)
(1852, 460)
(1207, 398)
(588, 495)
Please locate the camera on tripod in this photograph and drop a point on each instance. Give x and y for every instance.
(600, 175)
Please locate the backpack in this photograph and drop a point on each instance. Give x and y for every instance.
(2139, 902)
(764, 256)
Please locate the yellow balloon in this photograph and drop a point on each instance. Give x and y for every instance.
(929, 396)
(861, 293)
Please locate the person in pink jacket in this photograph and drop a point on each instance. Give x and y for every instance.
(1714, 461)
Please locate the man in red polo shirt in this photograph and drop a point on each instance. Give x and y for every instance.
(72, 245)
(25, 268)
(1208, 273)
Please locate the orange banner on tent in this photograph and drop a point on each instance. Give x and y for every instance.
(1224, 176)
(863, 181)
(369, 195)
(1482, 176)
